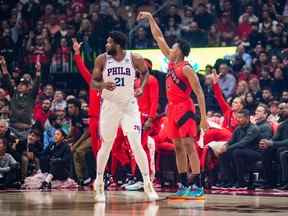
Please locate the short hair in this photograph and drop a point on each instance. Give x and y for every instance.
(75, 102)
(184, 46)
(119, 38)
(244, 112)
(267, 88)
(265, 107)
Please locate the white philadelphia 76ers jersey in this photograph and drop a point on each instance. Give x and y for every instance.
(123, 74)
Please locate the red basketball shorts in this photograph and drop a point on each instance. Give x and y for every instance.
(181, 120)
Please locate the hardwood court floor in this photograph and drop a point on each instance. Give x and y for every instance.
(78, 203)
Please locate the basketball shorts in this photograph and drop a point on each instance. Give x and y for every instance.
(181, 120)
(113, 116)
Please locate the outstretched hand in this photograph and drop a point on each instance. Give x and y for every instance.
(76, 46)
(143, 15)
(215, 76)
(2, 61)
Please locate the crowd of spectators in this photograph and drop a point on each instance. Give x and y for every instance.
(42, 126)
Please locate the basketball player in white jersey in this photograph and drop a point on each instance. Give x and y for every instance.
(114, 73)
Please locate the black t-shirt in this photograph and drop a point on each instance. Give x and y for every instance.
(79, 123)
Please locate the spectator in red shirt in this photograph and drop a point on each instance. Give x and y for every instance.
(41, 115)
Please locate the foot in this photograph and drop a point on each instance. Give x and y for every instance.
(284, 187)
(46, 186)
(135, 187)
(180, 192)
(194, 193)
(150, 192)
(99, 192)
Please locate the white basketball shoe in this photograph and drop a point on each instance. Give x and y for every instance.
(150, 192)
(99, 191)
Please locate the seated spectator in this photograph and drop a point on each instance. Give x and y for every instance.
(41, 115)
(249, 12)
(79, 137)
(267, 96)
(245, 136)
(59, 101)
(254, 87)
(227, 81)
(273, 150)
(59, 160)
(284, 97)
(245, 157)
(60, 59)
(242, 89)
(171, 31)
(250, 102)
(203, 18)
(274, 112)
(279, 84)
(30, 158)
(195, 36)
(141, 40)
(8, 167)
(227, 29)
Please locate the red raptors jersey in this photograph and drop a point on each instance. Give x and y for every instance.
(178, 88)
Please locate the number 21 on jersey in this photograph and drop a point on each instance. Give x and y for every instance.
(119, 81)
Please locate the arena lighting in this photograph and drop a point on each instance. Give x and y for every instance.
(199, 57)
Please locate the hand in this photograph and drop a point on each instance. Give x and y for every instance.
(110, 86)
(204, 124)
(264, 144)
(30, 155)
(215, 76)
(148, 124)
(2, 61)
(144, 15)
(76, 46)
(138, 92)
(38, 68)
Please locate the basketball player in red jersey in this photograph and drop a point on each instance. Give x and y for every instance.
(181, 80)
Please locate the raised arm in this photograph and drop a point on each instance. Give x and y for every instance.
(6, 76)
(85, 73)
(197, 89)
(36, 83)
(224, 106)
(156, 32)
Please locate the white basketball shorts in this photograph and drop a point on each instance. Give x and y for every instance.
(114, 115)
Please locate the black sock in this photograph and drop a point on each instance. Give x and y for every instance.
(196, 179)
(183, 179)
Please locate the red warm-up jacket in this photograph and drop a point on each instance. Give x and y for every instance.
(148, 101)
(230, 122)
(94, 103)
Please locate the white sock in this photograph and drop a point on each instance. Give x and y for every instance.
(140, 155)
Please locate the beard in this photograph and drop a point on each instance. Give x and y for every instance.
(112, 52)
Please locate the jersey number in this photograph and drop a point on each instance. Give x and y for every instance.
(119, 81)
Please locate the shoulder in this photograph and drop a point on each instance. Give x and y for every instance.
(101, 58)
(188, 70)
(136, 58)
(253, 127)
